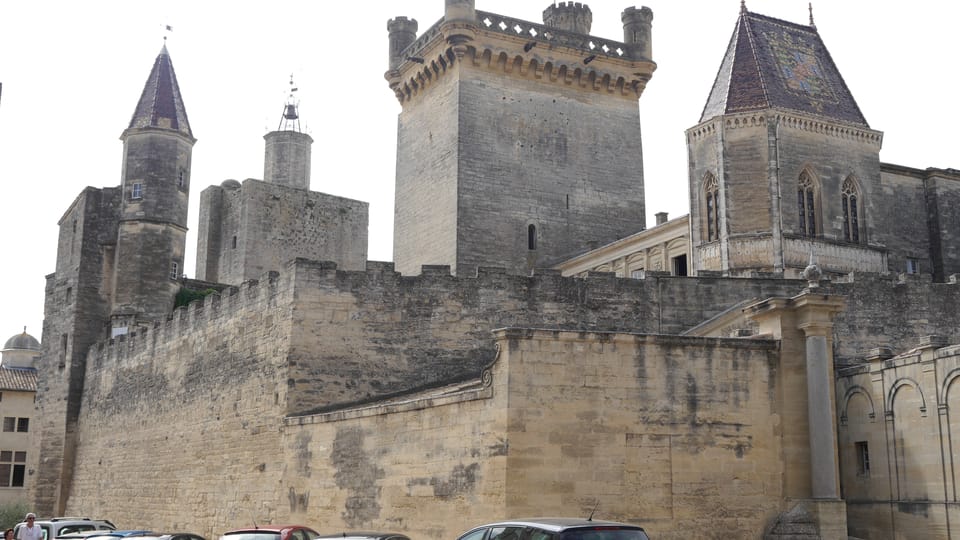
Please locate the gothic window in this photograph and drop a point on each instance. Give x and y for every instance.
(806, 205)
(711, 192)
(851, 211)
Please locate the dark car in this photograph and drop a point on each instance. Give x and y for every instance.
(364, 535)
(272, 532)
(555, 529)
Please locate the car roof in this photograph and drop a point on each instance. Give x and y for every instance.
(364, 534)
(267, 528)
(555, 524)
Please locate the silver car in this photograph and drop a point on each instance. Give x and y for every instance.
(555, 529)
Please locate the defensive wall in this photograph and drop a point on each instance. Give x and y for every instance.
(203, 417)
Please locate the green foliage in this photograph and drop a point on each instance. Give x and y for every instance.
(185, 296)
(12, 513)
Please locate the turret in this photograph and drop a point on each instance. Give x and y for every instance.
(637, 32)
(403, 32)
(287, 150)
(459, 23)
(569, 16)
(157, 149)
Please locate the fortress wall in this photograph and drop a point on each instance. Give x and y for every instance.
(575, 421)
(898, 218)
(883, 310)
(360, 336)
(175, 418)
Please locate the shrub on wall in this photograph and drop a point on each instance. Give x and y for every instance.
(12, 513)
(186, 295)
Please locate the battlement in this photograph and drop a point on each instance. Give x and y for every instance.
(569, 16)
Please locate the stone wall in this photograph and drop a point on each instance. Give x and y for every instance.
(181, 424)
(260, 227)
(900, 220)
(898, 426)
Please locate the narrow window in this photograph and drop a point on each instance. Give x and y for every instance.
(174, 270)
(806, 205)
(913, 266)
(137, 191)
(712, 194)
(180, 182)
(69, 294)
(23, 425)
(63, 350)
(1, 396)
(9, 423)
(680, 265)
(863, 459)
(234, 242)
(531, 237)
(851, 213)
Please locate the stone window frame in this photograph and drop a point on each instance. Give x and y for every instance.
(174, 270)
(851, 198)
(711, 207)
(808, 204)
(863, 458)
(13, 465)
(136, 191)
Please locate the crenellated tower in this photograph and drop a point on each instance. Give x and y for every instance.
(518, 142)
(151, 236)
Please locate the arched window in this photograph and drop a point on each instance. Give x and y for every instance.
(806, 205)
(851, 211)
(711, 191)
(531, 237)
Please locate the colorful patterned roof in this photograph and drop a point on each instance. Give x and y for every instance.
(18, 379)
(774, 63)
(161, 104)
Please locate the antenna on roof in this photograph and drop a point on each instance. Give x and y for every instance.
(810, 6)
(590, 517)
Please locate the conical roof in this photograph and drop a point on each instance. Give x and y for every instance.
(161, 105)
(774, 63)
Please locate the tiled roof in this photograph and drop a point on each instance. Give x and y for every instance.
(19, 379)
(775, 63)
(161, 104)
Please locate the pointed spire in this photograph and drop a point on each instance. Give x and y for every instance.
(810, 6)
(743, 6)
(161, 105)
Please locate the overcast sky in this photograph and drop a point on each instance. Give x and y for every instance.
(72, 73)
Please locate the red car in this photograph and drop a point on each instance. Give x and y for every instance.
(272, 532)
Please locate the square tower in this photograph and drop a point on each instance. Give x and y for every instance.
(518, 143)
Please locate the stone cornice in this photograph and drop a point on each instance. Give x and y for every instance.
(534, 51)
(788, 119)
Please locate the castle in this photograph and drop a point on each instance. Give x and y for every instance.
(777, 364)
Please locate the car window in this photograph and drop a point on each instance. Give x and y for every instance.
(505, 533)
(539, 534)
(604, 533)
(67, 529)
(475, 535)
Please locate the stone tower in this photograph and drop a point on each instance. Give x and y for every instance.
(151, 237)
(119, 262)
(783, 163)
(518, 143)
(287, 150)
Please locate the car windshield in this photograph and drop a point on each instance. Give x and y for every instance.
(604, 533)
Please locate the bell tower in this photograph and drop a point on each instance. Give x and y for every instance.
(518, 142)
(152, 229)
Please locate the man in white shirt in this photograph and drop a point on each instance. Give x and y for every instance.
(30, 531)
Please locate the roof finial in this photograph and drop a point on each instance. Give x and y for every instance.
(810, 6)
(743, 6)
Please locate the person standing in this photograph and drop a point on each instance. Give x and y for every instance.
(30, 531)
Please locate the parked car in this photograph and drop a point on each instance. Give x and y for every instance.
(169, 536)
(364, 535)
(555, 529)
(57, 526)
(272, 532)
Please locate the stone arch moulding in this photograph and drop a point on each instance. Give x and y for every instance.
(948, 380)
(852, 391)
(896, 386)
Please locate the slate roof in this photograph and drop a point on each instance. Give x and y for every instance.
(775, 63)
(161, 104)
(18, 379)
